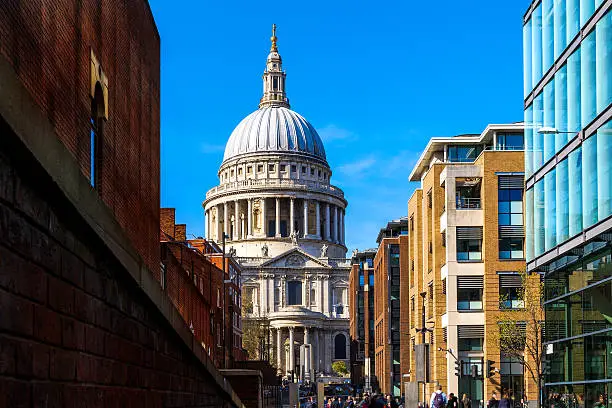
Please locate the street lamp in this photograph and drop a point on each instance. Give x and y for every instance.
(548, 130)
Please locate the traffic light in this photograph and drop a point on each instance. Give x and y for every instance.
(546, 367)
(490, 368)
(458, 365)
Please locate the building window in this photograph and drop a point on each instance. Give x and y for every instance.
(511, 248)
(429, 199)
(371, 280)
(430, 246)
(463, 153)
(444, 239)
(96, 135)
(361, 278)
(312, 171)
(469, 249)
(283, 168)
(340, 347)
(294, 293)
(249, 170)
(313, 297)
(510, 293)
(467, 193)
(240, 171)
(510, 141)
(293, 168)
(303, 169)
(232, 173)
(271, 168)
(474, 344)
(260, 168)
(444, 286)
(469, 292)
(510, 206)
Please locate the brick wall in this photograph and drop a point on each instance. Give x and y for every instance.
(75, 328)
(48, 43)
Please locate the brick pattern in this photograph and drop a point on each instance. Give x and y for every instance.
(49, 44)
(75, 329)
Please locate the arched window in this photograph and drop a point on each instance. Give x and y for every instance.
(340, 347)
(96, 137)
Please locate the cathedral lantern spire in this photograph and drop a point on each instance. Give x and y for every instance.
(274, 78)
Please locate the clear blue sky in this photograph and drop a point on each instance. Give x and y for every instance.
(377, 79)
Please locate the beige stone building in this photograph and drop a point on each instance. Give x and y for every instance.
(284, 223)
(466, 240)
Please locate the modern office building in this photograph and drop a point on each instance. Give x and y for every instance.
(361, 320)
(392, 244)
(568, 168)
(465, 249)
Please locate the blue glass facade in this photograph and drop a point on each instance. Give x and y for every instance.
(567, 57)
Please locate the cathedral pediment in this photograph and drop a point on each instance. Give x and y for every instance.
(295, 258)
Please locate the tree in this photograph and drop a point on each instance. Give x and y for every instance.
(255, 334)
(339, 367)
(520, 329)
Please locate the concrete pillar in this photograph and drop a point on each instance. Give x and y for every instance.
(218, 226)
(249, 217)
(318, 226)
(236, 234)
(292, 215)
(279, 348)
(291, 351)
(277, 218)
(264, 221)
(305, 217)
(335, 237)
(327, 223)
(242, 227)
(225, 221)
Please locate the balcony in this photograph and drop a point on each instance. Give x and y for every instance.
(264, 184)
(468, 203)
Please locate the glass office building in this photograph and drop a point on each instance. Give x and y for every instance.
(567, 47)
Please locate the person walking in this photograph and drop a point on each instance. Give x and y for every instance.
(505, 401)
(438, 398)
(452, 401)
(465, 402)
(493, 402)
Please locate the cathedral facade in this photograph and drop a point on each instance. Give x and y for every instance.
(284, 223)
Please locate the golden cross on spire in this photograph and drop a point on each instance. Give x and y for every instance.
(273, 39)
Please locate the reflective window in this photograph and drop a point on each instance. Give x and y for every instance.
(511, 248)
(471, 344)
(294, 293)
(463, 153)
(469, 249)
(510, 141)
(550, 211)
(510, 206)
(469, 299)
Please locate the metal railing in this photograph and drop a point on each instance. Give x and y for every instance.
(468, 203)
(292, 184)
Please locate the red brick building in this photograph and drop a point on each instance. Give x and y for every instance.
(84, 318)
(192, 275)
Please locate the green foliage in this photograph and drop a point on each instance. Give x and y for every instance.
(339, 367)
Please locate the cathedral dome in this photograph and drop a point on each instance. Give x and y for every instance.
(274, 129)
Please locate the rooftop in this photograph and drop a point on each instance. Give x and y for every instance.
(436, 146)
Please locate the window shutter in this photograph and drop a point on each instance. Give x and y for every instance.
(470, 282)
(470, 332)
(508, 182)
(511, 280)
(469, 232)
(511, 231)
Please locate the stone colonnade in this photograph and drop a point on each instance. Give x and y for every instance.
(321, 354)
(240, 223)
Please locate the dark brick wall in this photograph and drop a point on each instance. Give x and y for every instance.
(75, 329)
(48, 43)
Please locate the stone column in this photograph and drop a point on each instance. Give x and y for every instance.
(225, 221)
(291, 215)
(327, 222)
(242, 227)
(305, 217)
(313, 353)
(318, 226)
(291, 351)
(277, 218)
(329, 348)
(279, 348)
(340, 225)
(306, 341)
(335, 238)
(218, 226)
(249, 217)
(207, 224)
(321, 353)
(236, 220)
(326, 295)
(264, 221)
